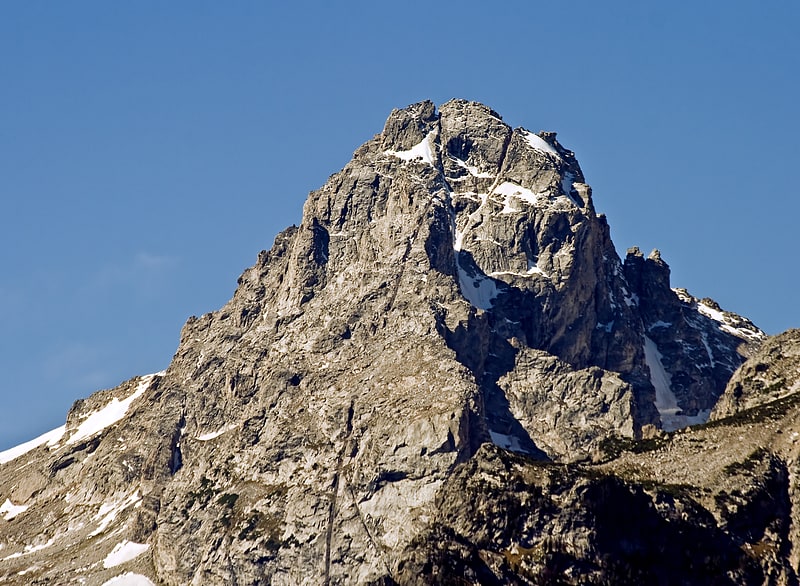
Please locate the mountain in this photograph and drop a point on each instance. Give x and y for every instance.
(444, 374)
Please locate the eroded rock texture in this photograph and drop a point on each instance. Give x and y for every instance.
(442, 375)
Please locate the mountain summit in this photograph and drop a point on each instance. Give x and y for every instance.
(386, 396)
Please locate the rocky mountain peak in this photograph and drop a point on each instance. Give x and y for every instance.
(449, 299)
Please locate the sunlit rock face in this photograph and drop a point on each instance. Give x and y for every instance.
(385, 395)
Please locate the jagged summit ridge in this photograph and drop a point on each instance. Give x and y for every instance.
(451, 287)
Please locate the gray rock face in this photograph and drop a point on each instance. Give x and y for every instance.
(693, 343)
(771, 374)
(451, 287)
(503, 520)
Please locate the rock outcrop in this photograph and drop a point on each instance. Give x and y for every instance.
(443, 373)
(692, 346)
(771, 374)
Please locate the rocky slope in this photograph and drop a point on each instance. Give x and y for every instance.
(772, 373)
(443, 374)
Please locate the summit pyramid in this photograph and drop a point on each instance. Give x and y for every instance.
(444, 374)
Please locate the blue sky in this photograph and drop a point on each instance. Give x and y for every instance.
(149, 150)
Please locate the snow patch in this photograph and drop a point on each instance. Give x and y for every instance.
(470, 195)
(631, 299)
(714, 314)
(123, 552)
(538, 143)
(711, 360)
(479, 290)
(50, 438)
(109, 511)
(214, 434)
(566, 187)
(701, 417)
(509, 442)
(472, 170)
(422, 150)
(26, 570)
(458, 242)
(533, 269)
(725, 323)
(114, 410)
(514, 274)
(11, 510)
(29, 549)
(129, 579)
(508, 208)
(509, 189)
(666, 402)
(660, 324)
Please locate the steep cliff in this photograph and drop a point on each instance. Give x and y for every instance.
(443, 373)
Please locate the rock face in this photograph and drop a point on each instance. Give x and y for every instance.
(384, 398)
(691, 345)
(772, 374)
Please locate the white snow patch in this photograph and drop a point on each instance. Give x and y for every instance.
(26, 570)
(114, 410)
(509, 189)
(533, 268)
(508, 208)
(215, 434)
(701, 417)
(11, 510)
(566, 187)
(109, 511)
(725, 323)
(538, 143)
(631, 299)
(33, 548)
(743, 332)
(49, 438)
(714, 314)
(422, 150)
(471, 195)
(513, 274)
(479, 290)
(129, 579)
(711, 360)
(472, 170)
(123, 552)
(666, 402)
(495, 274)
(29, 549)
(459, 241)
(660, 324)
(509, 442)
(608, 327)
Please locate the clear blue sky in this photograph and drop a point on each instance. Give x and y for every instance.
(149, 150)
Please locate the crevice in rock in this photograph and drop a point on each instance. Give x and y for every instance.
(489, 357)
(335, 492)
(176, 456)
